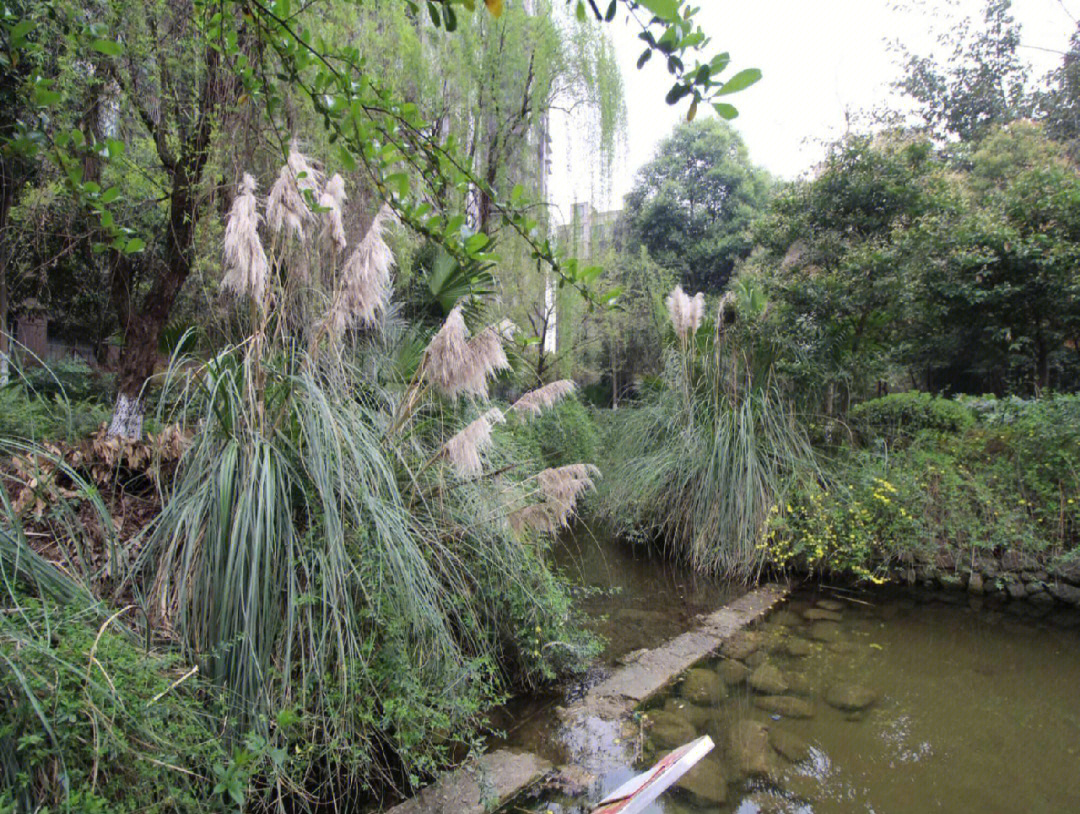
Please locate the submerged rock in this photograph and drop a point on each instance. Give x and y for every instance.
(825, 632)
(749, 741)
(850, 697)
(767, 802)
(821, 615)
(785, 705)
(706, 782)
(768, 680)
(699, 717)
(798, 684)
(830, 604)
(669, 729)
(703, 686)
(786, 618)
(732, 672)
(787, 743)
(798, 648)
(756, 659)
(741, 645)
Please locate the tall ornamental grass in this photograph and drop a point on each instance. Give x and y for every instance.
(710, 450)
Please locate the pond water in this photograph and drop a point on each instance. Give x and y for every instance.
(632, 597)
(872, 702)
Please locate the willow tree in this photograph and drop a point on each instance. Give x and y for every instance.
(165, 80)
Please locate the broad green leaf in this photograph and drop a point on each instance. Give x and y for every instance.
(115, 148)
(741, 80)
(110, 195)
(110, 48)
(516, 193)
(725, 111)
(644, 58)
(580, 11)
(346, 158)
(664, 9)
(610, 14)
(692, 112)
(134, 245)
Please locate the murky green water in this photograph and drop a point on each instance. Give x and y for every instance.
(881, 704)
(630, 596)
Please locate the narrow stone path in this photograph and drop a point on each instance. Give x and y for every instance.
(598, 729)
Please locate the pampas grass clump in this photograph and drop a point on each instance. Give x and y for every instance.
(286, 207)
(332, 199)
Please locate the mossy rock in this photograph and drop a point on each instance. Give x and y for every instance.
(703, 686)
(699, 717)
(822, 615)
(768, 680)
(798, 684)
(670, 729)
(748, 742)
(741, 645)
(786, 618)
(793, 747)
(732, 672)
(798, 648)
(830, 604)
(785, 705)
(850, 697)
(706, 782)
(756, 659)
(825, 632)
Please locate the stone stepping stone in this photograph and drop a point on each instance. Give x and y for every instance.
(830, 604)
(786, 618)
(850, 697)
(785, 705)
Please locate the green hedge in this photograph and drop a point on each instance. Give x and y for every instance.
(901, 416)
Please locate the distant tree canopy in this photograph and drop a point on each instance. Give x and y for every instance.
(693, 203)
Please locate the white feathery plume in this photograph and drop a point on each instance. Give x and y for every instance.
(365, 278)
(686, 313)
(486, 357)
(245, 260)
(537, 517)
(561, 487)
(448, 353)
(536, 401)
(463, 450)
(456, 364)
(286, 205)
(697, 311)
(332, 199)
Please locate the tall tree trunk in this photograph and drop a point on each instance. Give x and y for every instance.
(143, 325)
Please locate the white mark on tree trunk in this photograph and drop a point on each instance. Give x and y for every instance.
(127, 419)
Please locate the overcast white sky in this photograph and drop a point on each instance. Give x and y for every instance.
(820, 59)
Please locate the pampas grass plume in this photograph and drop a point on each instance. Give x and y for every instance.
(286, 207)
(332, 199)
(463, 450)
(365, 278)
(245, 259)
(536, 401)
(456, 364)
(686, 312)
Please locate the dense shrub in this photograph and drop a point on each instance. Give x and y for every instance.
(1011, 481)
(88, 710)
(900, 416)
(565, 434)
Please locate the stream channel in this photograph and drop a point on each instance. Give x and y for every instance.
(839, 701)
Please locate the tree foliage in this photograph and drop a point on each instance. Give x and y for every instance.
(692, 204)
